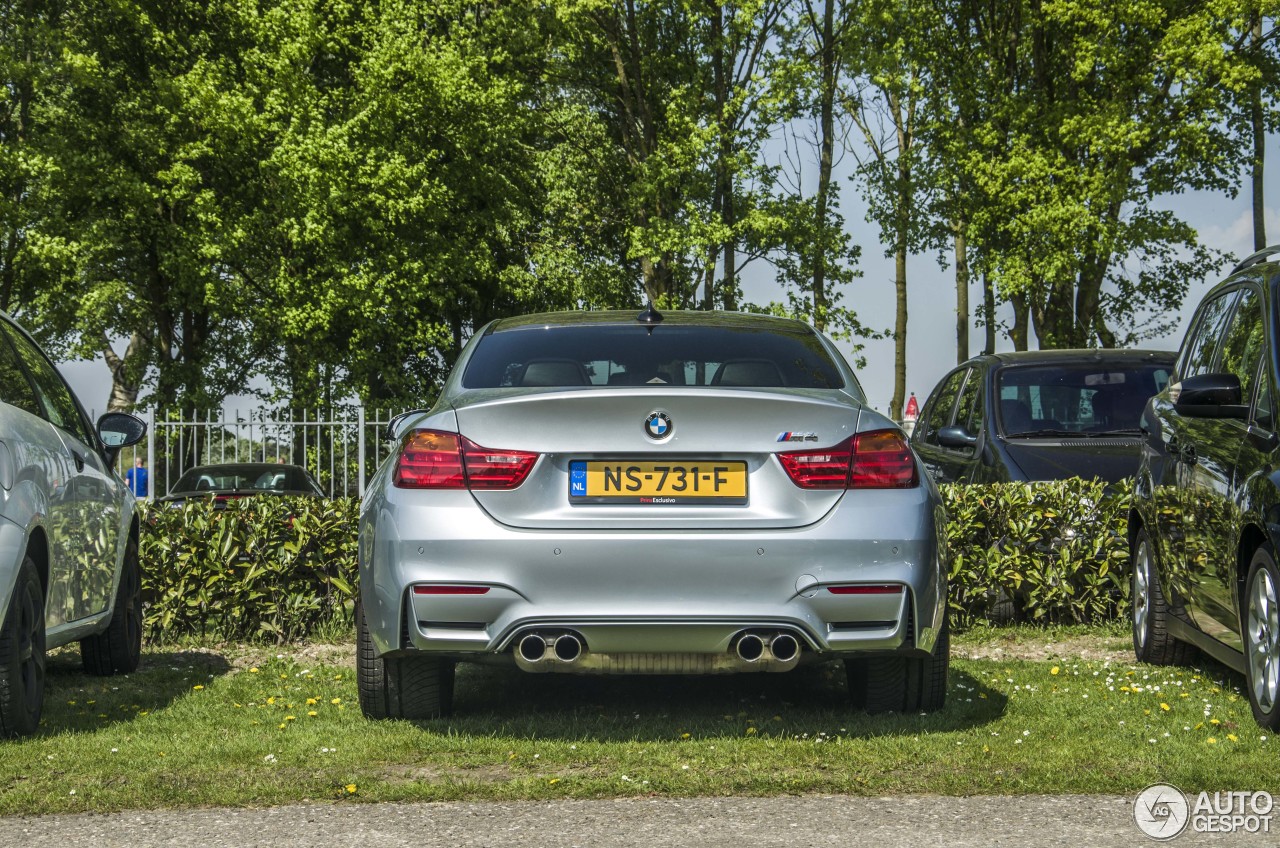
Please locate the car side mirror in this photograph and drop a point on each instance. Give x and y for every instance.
(1210, 396)
(118, 430)
(956, 436)
(393, 426)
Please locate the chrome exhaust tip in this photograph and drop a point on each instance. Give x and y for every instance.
(750, 648)
(784, 647)
(532, 648)
(567, 648)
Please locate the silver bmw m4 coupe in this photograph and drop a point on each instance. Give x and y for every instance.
(679, 493)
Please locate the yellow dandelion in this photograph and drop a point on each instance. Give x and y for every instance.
(1054, 670)
(1214, 721)
(684, 735)
(553, 781)
(336, 701)
(283, 725)
(197, 687)
(290, 718)
(312, 713)
(237, 706)
(1212, 741)
(253, 670)
(311, 702)
(1233, 737)
(351, 789)
(1165, 706)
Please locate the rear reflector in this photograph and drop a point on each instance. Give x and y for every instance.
(450, 590)
(879, 459)
(866, 589)
(430, 459)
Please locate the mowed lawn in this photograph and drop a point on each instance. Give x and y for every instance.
(1029, 711)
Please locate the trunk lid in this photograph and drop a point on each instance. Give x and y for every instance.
(711, 433)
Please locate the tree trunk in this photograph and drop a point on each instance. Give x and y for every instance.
(826, 120)
(126, 373)
(962, 292)
(724, 158)
(989, 315)
(899, 330)
(1018, 331)
(1259, 149)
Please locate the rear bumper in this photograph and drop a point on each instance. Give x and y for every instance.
(652, 592)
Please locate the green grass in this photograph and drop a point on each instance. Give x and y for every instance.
(203, 728)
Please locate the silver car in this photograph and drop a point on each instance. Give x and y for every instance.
(68, 533)
(688, 493)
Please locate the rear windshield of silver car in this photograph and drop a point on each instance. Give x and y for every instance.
(616, 355)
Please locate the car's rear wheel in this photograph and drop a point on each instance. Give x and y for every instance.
(22, 655)
(414, 688)
(118, 649)
(1262, 638)
(1151, 610)
(901, 684)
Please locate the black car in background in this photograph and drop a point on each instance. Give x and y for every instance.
(1206, 508)
(1040, 415)
(230, 481)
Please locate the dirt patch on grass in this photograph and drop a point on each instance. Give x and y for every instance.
(1089, 648)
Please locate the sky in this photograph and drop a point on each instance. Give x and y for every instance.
(1223, 223)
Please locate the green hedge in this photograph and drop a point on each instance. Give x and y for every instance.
(262, 568)
(1051, 552)
(277, 569)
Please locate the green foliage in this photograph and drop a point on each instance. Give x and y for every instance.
(1045, 552)
(262, 568)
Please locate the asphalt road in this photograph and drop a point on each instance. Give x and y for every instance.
(905, 822)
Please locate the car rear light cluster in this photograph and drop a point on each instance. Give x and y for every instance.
(431, 459)
(879, 459)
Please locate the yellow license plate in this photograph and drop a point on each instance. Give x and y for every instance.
(701, 481)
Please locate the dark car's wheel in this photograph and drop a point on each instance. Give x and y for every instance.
(1262, 638)
(901, 684)
(118, 649)
(414, 688)
(1151, 610)
(22, 655)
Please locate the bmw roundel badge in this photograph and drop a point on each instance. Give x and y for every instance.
(658, 425)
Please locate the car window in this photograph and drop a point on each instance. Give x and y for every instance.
(1203, 342)
(589, 355)
(55, 398)
(1264, 407)
(937, 412)
(15, 388)
(1243, 342)
(970, 412)
(1091, 397)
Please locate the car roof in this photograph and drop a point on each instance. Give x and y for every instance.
(623, 317)
(1083, 355)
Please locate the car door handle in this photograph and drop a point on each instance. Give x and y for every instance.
(1181, 452)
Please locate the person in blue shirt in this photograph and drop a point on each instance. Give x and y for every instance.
(136, 477)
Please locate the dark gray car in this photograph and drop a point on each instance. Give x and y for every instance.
(1040, 415)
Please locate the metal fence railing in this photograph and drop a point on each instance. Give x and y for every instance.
(340, 448)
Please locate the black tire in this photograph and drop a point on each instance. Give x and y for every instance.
(413, 688)
(901, 684)
(1151, 610)
(118, 649)
(22, 655)
(1260, 613)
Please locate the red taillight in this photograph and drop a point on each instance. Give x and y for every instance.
(450, 590)
(430, 459)
(819, 469)
(866, 589)
(880, 459)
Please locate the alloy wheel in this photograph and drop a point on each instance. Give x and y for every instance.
(1263, 641)
(1140, 597)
